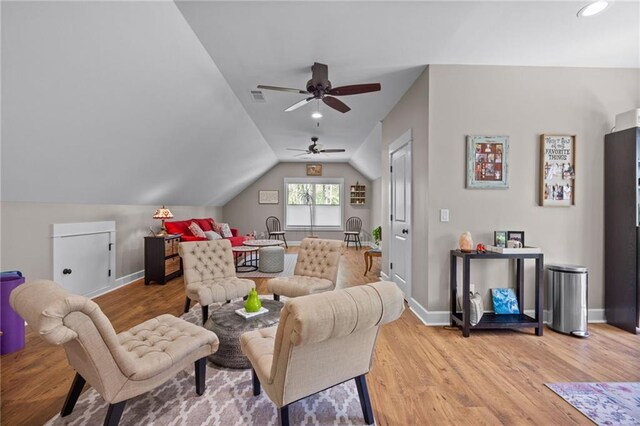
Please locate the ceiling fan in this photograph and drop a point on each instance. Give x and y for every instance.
(320, 87)
(315, 148)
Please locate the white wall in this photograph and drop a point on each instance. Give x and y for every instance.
(376, 203)
(245, 213)
(521, 102)
(26, 232)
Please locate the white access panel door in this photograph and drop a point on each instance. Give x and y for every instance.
(83, 261)
(400, 179)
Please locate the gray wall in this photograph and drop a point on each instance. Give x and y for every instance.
(521, 102)
(245, 213)
(376, 203)
(26, 232)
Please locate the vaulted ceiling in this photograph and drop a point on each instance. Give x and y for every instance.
(148, 102)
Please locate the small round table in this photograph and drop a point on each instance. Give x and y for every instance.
(250, 261)
(228, 326)
(263, 243)
(368, 259)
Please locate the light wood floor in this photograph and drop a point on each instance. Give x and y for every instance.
(420, 374)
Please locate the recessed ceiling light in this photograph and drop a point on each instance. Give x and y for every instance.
(316, 115)
(593, 8)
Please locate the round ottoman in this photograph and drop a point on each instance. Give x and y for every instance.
(271, 259)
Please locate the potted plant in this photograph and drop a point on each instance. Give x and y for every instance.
(377, 235)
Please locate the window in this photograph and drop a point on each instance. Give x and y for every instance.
(317, 198)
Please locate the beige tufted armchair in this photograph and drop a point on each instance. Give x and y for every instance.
(210, 274)
(322, 340)
(118, 366)
(316, 269)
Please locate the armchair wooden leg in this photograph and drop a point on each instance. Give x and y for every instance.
(201, 375)
(187, 305)
(114, 413)
(72, 396)
(365, 402)
(256, 383)
(205, 313)
(283, 416)
(276, 297)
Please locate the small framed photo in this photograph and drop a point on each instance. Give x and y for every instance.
(268, 197)
(500, 238)
(487, 165)
(516, 236)
(314, 169)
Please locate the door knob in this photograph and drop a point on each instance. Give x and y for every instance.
(405, 231)
(66, 271)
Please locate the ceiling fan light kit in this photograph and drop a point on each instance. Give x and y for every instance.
(320, 87)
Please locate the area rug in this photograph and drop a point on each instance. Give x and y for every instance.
(228, 400)
(289, 266)
(603, 403)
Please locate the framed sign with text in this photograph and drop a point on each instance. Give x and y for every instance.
(557, 170)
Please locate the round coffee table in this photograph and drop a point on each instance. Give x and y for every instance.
(228, 326)
(250, 258)
(263, 243)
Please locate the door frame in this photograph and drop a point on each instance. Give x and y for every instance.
(405, 139)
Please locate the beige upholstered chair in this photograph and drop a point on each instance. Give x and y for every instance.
(210, 274)
(118, 366)
(322, 340)
(316, 269)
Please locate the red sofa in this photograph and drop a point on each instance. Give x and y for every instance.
(182, 227)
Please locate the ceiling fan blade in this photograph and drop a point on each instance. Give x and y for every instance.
(319, 74)
(336, 104)
(354, 89)
(299, 104)
(296, 149)
(300, 155)
(332, 150)
(283, 89)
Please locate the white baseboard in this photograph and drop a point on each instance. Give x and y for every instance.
(384, 276)
(437, 318)
(120, 282)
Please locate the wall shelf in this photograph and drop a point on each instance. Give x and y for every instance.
(358, 194)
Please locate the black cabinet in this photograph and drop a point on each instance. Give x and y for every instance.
(621, 215)
(161, 260)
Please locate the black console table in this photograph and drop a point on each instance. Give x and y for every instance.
(490, 320)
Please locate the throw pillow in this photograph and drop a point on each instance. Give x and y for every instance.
(476, 307)
(216, 227)
(196, 230)
(212, 235)
(225, 230)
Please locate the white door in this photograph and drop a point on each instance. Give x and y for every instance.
(82, 263)
(400, 209)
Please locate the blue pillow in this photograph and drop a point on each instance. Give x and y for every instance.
(504, 301)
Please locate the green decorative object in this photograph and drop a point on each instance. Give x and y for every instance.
(377, 234)
(252, 304)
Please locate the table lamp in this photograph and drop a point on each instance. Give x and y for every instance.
(163, 213)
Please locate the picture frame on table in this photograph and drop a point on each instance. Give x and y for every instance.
(268, 197)
(487, 162)
(500, 239)
(557, 170)
(516, 236)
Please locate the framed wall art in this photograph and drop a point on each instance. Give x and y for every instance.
(557, 170)
(487, 166)
(268, 197)
(314, 169)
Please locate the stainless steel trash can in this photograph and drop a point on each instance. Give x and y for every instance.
(567, 292)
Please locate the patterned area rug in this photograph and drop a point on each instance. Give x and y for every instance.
(228, 400)
(603, 403)
(289, 266)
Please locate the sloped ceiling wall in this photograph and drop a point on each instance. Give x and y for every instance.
(367, 159)
(119, 103)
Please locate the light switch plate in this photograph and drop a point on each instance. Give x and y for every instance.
(444, 215)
